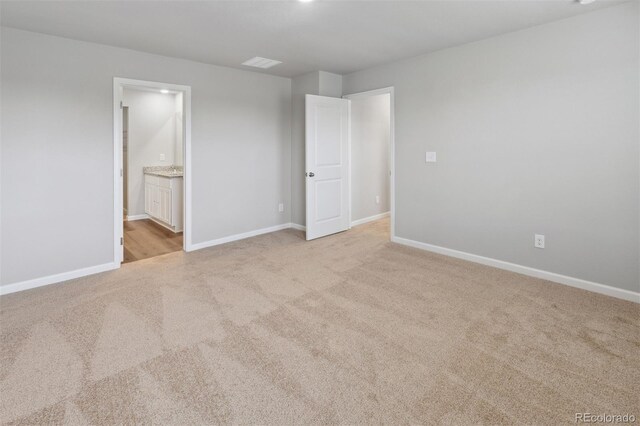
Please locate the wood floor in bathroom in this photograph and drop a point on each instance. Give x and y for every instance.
(144, 239)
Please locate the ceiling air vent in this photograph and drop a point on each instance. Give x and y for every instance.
(259, 62)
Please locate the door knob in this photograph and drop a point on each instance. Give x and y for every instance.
(311, 174)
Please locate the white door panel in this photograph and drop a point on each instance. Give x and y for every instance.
(327, 165)
(326, 192)
(328, 121)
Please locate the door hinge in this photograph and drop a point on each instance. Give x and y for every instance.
(121, 241)
(120, 172)
(120, 104)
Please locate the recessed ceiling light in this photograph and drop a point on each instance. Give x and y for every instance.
(165, 91)
(259, 62)
(586, 1)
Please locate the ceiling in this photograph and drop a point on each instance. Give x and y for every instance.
(335, 36)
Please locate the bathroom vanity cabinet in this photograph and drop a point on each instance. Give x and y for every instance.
(163, 200)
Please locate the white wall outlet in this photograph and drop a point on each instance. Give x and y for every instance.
(280, 207)
(377, 199)
(161, 157)
(430, 157)
(538, 241)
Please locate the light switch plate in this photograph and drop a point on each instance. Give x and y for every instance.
(430, 157)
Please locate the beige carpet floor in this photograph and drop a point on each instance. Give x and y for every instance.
(346, 329)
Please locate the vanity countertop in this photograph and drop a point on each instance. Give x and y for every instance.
(164, 171)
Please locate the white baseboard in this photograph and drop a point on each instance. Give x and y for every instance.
(607, 290)
(369, 219)
(298, 227)
(236, 237)
(525, 270)
(164, 225)
(137, 217)
(65, 276)
(53, 279)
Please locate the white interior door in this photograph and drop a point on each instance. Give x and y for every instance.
(327, 165)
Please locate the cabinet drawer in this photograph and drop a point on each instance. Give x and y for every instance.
(164, 182)
(160, 181)
(153, 180)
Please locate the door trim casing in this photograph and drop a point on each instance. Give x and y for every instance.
(118, 85)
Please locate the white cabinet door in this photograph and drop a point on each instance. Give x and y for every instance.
(159, 196)
(164, 205)
(148, 198)
(152, 200)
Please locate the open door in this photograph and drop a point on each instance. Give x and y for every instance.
(327, 165)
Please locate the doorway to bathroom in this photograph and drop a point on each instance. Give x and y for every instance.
(152, 138)
(371, 156)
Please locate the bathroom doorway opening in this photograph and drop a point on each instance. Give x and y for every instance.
(152, 185)
(372, 194)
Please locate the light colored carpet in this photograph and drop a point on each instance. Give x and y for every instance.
(345, 329)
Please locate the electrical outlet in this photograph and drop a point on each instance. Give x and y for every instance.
(280, 207)
(430, 157)
(538, 241)
(161, 157)
(377, 199)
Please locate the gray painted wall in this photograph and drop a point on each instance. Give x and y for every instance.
(57, 149)
(370, 138)
(315, 83)
(152, 131)
(536, 131)
(330, 84)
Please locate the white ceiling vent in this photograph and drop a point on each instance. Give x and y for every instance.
(259, 62)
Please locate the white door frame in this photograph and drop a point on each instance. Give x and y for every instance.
(392, 150)
(118, 85)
